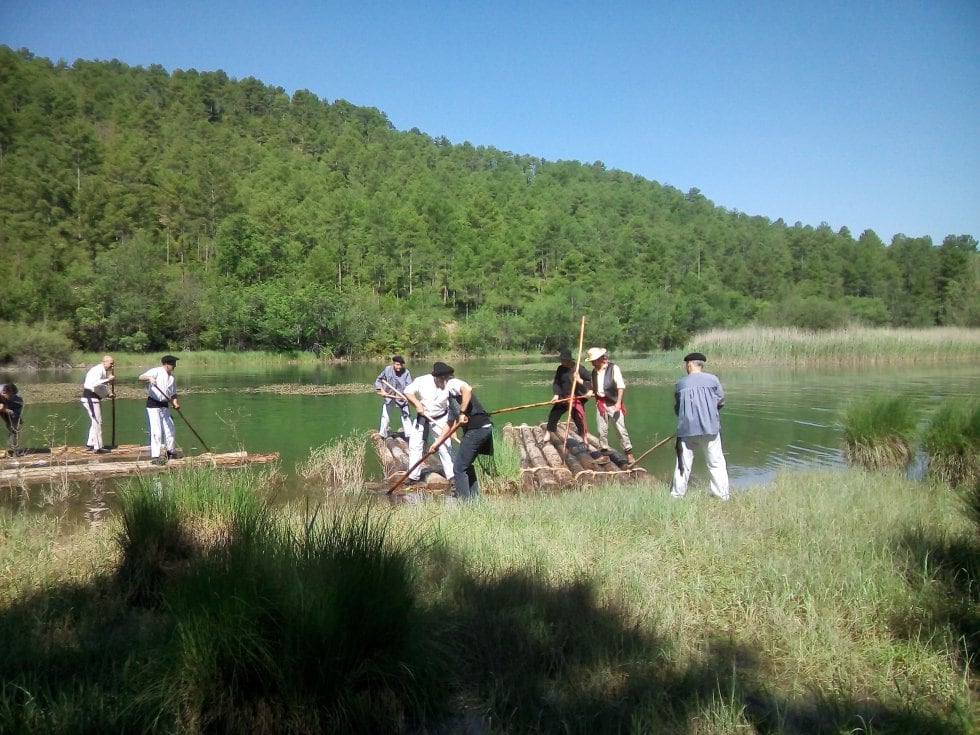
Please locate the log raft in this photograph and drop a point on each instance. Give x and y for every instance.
(543, 467)
(393, 454)
(71, 464)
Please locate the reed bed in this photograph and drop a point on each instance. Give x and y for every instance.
(952, 442)
(879, 432)
(825, 602)
(338, 465)
(851, 346)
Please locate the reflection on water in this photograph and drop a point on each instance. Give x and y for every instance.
(774, 419)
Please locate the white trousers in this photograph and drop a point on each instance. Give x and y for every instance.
(424, 428)
(93, 407)
(715, 457)
(161, 431)
(386, 422)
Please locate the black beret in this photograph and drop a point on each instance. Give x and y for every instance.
(695, 356)
(565, 354)
(441, 370)
(398, 358)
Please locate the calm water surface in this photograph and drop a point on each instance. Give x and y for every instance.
(773, 418)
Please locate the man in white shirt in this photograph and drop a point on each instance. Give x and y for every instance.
(98, 385)
(429, 396)
(161, 393)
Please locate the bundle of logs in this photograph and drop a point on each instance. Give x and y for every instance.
(544, 465)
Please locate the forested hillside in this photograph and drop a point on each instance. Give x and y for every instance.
(141, 209)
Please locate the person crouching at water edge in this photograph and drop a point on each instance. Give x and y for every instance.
(429, 396)
(477, 435)
(161, 392)
(97, 386)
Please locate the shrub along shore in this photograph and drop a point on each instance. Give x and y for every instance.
(740, 346)
(826, 601)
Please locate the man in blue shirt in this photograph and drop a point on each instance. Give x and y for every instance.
(391, 384)
(697, 398)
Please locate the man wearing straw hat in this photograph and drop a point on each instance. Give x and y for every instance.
(609, 388)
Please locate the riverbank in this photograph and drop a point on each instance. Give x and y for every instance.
(825, 601)
(730, 347)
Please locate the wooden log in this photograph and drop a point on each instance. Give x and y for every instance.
(514, 435)
(553, 458)
(97, 470)
(389, 464)
(543, 475)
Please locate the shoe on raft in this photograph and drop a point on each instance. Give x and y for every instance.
(159, 461)
(101, 451)
(175, 455)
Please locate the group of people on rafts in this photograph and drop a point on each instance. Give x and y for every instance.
(444, 403)
(161, 387)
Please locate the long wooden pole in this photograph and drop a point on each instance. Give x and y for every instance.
(203, 444)
(112, 372)
(435, 445)
(518, 408)
(398, 394)
(571, 395)
(655, 446)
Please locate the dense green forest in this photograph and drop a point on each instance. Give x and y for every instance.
(141, 209)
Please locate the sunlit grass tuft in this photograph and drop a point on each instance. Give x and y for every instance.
(879, 432)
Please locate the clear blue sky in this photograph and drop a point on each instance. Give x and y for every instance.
(859, 114)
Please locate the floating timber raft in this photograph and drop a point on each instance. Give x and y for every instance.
(75, 464)
(542, 465)
(393, 453)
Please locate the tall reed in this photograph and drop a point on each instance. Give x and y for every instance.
(852, 346)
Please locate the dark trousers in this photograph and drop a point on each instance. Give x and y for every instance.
(578, 416)
(474, 442)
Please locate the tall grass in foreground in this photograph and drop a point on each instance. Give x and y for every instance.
(822, 603)
(879, 432)
(852, 346)
(826, 602)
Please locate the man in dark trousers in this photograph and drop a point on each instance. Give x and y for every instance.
(11, 406)
(477, 435)
(561, 389)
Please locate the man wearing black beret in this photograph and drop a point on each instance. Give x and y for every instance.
(697, 398)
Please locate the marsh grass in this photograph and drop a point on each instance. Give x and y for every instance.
(879, 432)
(338, 465)
(501, 473)
(952, 441)
(826, 602)
(852, 346)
